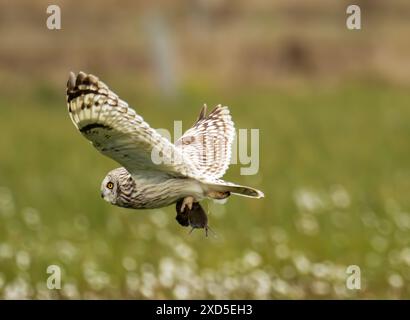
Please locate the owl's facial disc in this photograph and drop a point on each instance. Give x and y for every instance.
(109, 189)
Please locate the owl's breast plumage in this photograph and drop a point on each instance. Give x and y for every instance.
(156, 191)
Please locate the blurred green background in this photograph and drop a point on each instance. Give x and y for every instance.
(332, 106)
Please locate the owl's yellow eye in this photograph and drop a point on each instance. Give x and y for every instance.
(110, 185)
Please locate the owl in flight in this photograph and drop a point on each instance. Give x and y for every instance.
(154, 172)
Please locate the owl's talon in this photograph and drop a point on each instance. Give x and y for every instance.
(188, 201)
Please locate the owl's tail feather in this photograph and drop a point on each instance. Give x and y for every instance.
(216, 190)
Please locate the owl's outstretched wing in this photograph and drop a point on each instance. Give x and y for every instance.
(118, 132)
(208, 143)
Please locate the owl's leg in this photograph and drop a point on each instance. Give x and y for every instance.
(187, 202)
(183, 208)
(182, 217)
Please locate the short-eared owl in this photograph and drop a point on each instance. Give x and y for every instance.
(155, 173)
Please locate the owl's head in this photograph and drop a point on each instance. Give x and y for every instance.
(110, 188)
(118, 187)
(112, 185)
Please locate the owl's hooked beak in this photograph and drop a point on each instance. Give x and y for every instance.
(102, 194)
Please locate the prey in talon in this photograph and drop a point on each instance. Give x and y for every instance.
(192, 215)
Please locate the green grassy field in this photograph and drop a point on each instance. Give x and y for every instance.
(334, 167)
